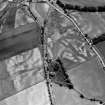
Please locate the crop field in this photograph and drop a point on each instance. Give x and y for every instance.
(52, 52)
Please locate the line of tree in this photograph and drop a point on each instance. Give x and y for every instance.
(81, 8)
(98, 39)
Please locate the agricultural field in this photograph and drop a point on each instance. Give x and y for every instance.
(47, 56)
